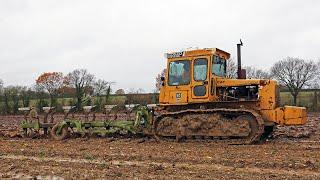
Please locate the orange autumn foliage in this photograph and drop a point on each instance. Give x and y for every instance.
(51, 82)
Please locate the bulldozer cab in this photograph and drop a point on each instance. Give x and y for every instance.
(189, 76)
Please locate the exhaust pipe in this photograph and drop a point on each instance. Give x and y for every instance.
(241, 72)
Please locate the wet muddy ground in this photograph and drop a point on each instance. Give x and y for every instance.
(139, 158)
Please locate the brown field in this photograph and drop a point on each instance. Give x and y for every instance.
(293, 153)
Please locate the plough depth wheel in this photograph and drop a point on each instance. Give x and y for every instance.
(59, 136)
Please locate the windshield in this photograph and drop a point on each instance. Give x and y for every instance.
(179, 73)
(219, 66)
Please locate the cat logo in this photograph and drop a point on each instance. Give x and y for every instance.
(178, 96)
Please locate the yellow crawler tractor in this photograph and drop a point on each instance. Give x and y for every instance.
(197, 100)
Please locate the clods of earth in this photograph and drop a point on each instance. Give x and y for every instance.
(291, 153)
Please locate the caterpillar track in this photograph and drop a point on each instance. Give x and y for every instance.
(235, 126)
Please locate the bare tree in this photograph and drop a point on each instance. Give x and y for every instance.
(136, 91)
(140, 91)
(295, 74)
(1, 84)
(231, 69)
(316, 82)
(81, 80)
(251, 72)
(101, 86)
(158, 79)
(255, 73)
(1, 89)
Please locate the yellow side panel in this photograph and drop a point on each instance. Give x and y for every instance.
(268, 95)
(162, 96)
(271, 115)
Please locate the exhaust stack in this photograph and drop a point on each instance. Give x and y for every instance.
(241, 72)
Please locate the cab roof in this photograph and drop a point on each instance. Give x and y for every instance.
(198, 52)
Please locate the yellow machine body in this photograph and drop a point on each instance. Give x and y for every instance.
(198, 77)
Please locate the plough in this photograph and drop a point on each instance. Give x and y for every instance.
(32, 126)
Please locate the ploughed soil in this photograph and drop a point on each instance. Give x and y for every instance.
(292, 153)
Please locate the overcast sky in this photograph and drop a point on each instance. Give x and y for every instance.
(125, 41)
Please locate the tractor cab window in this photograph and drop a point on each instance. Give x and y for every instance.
(219, 66)
(200, 69)
(179, 73)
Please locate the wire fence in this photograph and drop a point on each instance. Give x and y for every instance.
(309, 98)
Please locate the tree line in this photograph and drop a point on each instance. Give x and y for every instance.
(79, 86)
